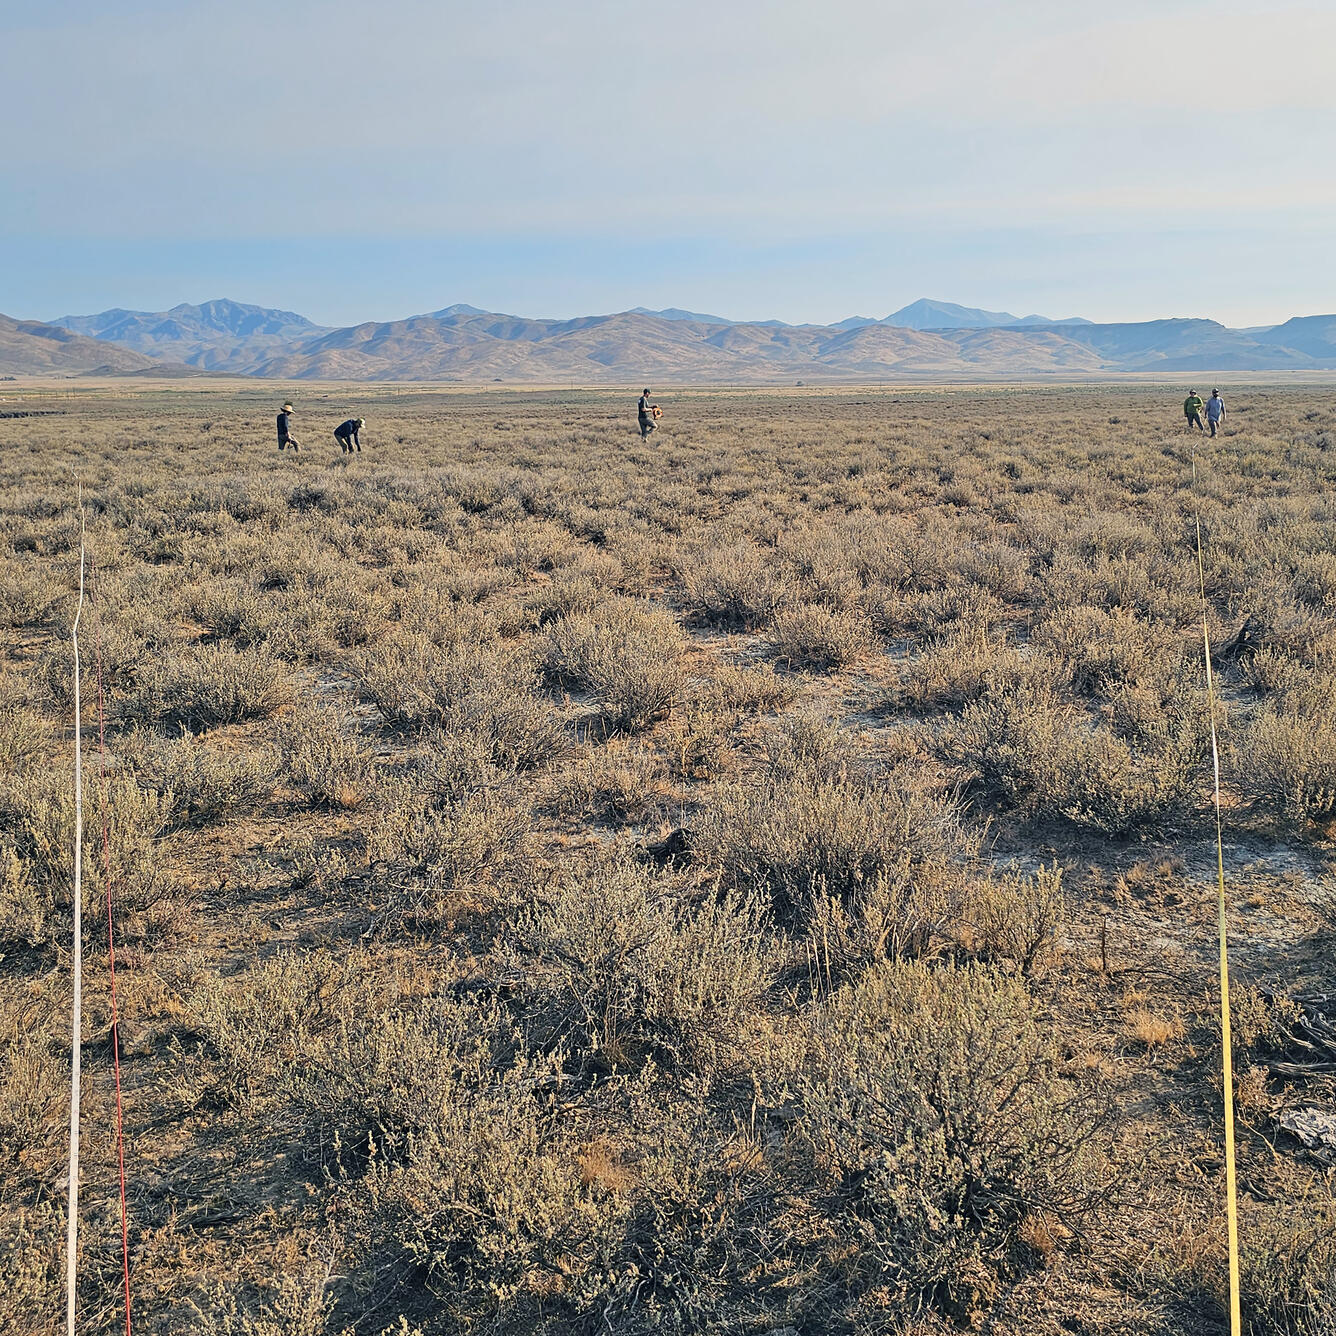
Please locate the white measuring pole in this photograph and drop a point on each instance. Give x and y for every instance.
(76, 1040)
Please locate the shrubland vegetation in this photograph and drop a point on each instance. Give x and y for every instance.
(756, 882)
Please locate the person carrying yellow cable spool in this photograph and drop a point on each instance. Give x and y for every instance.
(648, 414)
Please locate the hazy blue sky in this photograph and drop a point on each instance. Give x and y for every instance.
(371, 160)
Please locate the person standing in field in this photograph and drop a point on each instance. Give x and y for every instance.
(1215, 411)
(646, 412)
(346, 435)
(285, 436)
(1192, 407)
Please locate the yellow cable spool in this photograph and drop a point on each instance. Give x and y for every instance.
(658, 412)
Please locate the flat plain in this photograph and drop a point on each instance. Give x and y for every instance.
(760, 880)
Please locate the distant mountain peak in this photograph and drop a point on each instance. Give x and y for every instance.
(459, 308)
(677, 313)
(927, 313)
(228, 313)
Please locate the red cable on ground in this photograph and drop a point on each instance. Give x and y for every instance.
(111, 959)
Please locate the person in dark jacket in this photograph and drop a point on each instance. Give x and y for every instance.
(646, 412)
(346, 435)
(285, 436)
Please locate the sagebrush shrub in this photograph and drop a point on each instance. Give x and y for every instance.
(628, 657)
(232, 611)
(732, 586)
(131, 651)
(25, 598)
(625, 958)
(802, 836)
(1017, 917)
(568, 594)
(997, 567)
(1102, 647)
(931, 1100)
(707, 1241)
(37, 844)
(32, 1065)
(754, 687)
(431, 856)
(1285, 760)
(26, 905)
(958, 669)
(936, 614)
(810, 636)
(1034, 751)
(450, 767)
(1287, 1267)
(207, 685)
(24, 736)
(32, 1267)
(697, 742)
(621, 782)
(484, 690)
(808, 745)
(200, 781)
(817, 564)
(294, 617)
(1315, 580)
(884, 917)
(1270, 670)
(1016, 738)
(467, 1173)
(323, 763)
(1115, 787)
(252, 1030)
(300, 1305)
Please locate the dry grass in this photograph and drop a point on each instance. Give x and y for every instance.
(1150, 1028)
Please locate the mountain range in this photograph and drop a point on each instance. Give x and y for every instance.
(30, 348)
(204, 336)
(464, 344)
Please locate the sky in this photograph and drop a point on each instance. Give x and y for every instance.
(753, 159)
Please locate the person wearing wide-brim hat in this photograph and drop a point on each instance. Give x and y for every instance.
(1215, 411)
(285, 436)
(346, 435)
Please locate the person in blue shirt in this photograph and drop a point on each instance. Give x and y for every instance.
(1215, 411)
(346, 435)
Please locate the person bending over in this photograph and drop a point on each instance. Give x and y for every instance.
(346, 435)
